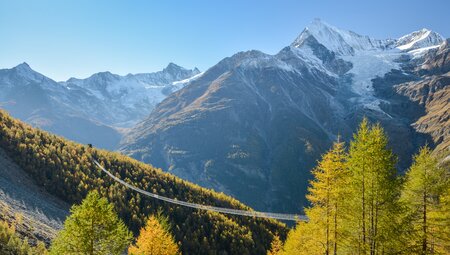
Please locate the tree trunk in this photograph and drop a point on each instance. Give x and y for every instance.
(363, 215)
(327, 250)
(424, 226)
(335, 229)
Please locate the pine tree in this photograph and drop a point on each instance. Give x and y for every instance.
(155, 239)
(372, 204)
(92, 228)
(423, 194)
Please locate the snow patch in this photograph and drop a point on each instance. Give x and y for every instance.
(369, 65)
(307, 55)
(180, 84)
(419, 39)
(422, 51)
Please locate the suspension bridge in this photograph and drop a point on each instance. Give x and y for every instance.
(268, 215)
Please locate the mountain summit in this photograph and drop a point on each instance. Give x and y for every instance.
(339, 41)
(419, 39)
(345, 42)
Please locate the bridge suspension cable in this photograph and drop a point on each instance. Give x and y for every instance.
(278, 216)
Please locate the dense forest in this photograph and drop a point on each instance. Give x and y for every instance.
(66, 169)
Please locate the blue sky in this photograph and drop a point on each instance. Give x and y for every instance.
(63, 39)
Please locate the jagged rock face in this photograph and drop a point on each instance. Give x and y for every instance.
(254, 125)
(94, 110)
(437, 61)
(432, 93)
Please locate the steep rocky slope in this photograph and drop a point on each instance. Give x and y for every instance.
(35, 213)
(432, 93)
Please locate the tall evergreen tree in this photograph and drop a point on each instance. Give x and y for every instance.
(424, 196)
(92, 228)
(373, 193)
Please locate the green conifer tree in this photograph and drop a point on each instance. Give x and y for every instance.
(374, 189)
(326, 195)
(424, 196)
(92, 228)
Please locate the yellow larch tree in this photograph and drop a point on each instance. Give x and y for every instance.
(155, 239)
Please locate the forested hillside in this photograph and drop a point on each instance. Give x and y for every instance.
(359, 204)
(66, 169)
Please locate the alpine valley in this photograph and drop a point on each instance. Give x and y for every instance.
(253, 125)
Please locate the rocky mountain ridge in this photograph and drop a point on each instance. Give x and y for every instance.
(94, 110)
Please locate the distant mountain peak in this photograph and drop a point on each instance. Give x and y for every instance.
(24, 70)
(317, 25)
(419, 39)
(340, 41)
(172, 67)
(24, 67)
(346, 42)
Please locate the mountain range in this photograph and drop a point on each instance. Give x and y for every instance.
(94, 110)
(253, 125)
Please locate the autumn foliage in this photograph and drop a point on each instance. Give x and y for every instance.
(155, 239)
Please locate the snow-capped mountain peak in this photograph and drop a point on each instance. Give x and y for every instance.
(340, 41)
(131, 97)
(24, 72)
(369, 58)
(172, 66)
(419, 39)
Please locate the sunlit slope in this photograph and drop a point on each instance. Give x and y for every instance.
(66, 170)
